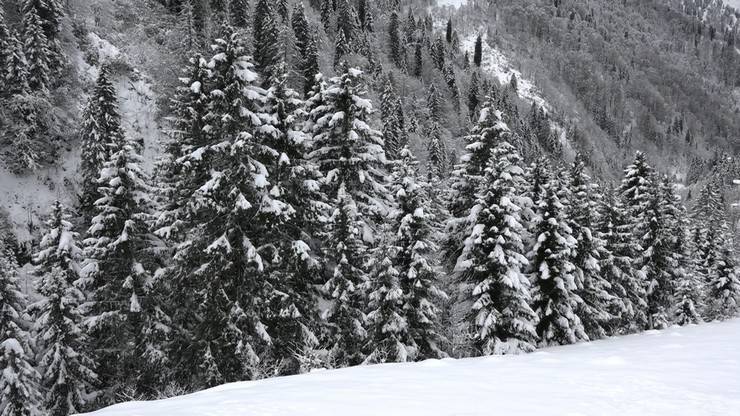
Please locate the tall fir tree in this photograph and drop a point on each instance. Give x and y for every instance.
(118, 276)
(617, 266)
(306, 46)
(552, 271)
(388, 328)
(100, 134)
(346, 318)
(468, 176)
(266, 38)
(36, 51)
(67, 370)
(239, 13)
(596, 292)
(224, 192)
(394, 40)
(294, 312)
(438, 158)
(494, 261)
(347, 150)
(414, 261)
(391, 124)
(18, 377)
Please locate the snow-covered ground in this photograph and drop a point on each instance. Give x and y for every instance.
(494, 63)
(454, 3)
(692, 371)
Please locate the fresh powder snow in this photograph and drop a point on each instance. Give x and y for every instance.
(679, 371)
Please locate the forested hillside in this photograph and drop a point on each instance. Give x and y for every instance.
(197, 192)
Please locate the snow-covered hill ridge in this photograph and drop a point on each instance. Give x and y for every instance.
(690, 371)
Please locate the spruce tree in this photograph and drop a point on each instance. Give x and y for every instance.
(266, 38)
(18, 379)
(478, 51)
(220, 287)
(239, 13)
(438, 158)
(468, 176)
(658, 258)
(117, 275)
(15, 67)
(296, 182)
(448, 31)
(617, 265)
(596, 292)
(414, 261)
(391, 124)
(346, 318)
(100, 134)
(347, 150)
(473, 93)
(493, 262)
(67, 373)
(341, 49)
(434, 104)
(36, 51)
(308, 63)
(6, 49)
(724, 290)
(50, 14)
(388, 327)
(552, 272)
(394, 40)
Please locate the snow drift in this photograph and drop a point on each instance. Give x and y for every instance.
(688, 371)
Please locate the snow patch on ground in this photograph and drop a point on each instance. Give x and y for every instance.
(497, 65)
(454, 3)
(685, 371)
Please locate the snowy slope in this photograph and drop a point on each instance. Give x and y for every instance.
(690, 371)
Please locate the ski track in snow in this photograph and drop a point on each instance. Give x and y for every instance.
(689, 371)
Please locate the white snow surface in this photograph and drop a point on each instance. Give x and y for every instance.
(456, 3)
(691, 371)
(498, 66)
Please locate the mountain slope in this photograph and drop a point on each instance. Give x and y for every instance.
(693, 373)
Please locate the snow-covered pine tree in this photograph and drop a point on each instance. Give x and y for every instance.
(50, 14)
(308, 63)
(414, 259)
(15, 67)
(635, 193)
(555, 298)
(294, 318)
(219, 283)
(434, 104)
(388, 328)
(724, 290)
(123, 316)
(341, 48)
(67, 373)
(238, 11)
(473, 96)
(437, 150)
(596, 292)
(347, 150)
(36, 50)
(468, 175)
(6, 49)
(617, 265)
(493, 260)
(100, 134)
(266, 38)
(345, 317)
(391, 124)
(18, 379)
(395, 48)
(657, 259)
